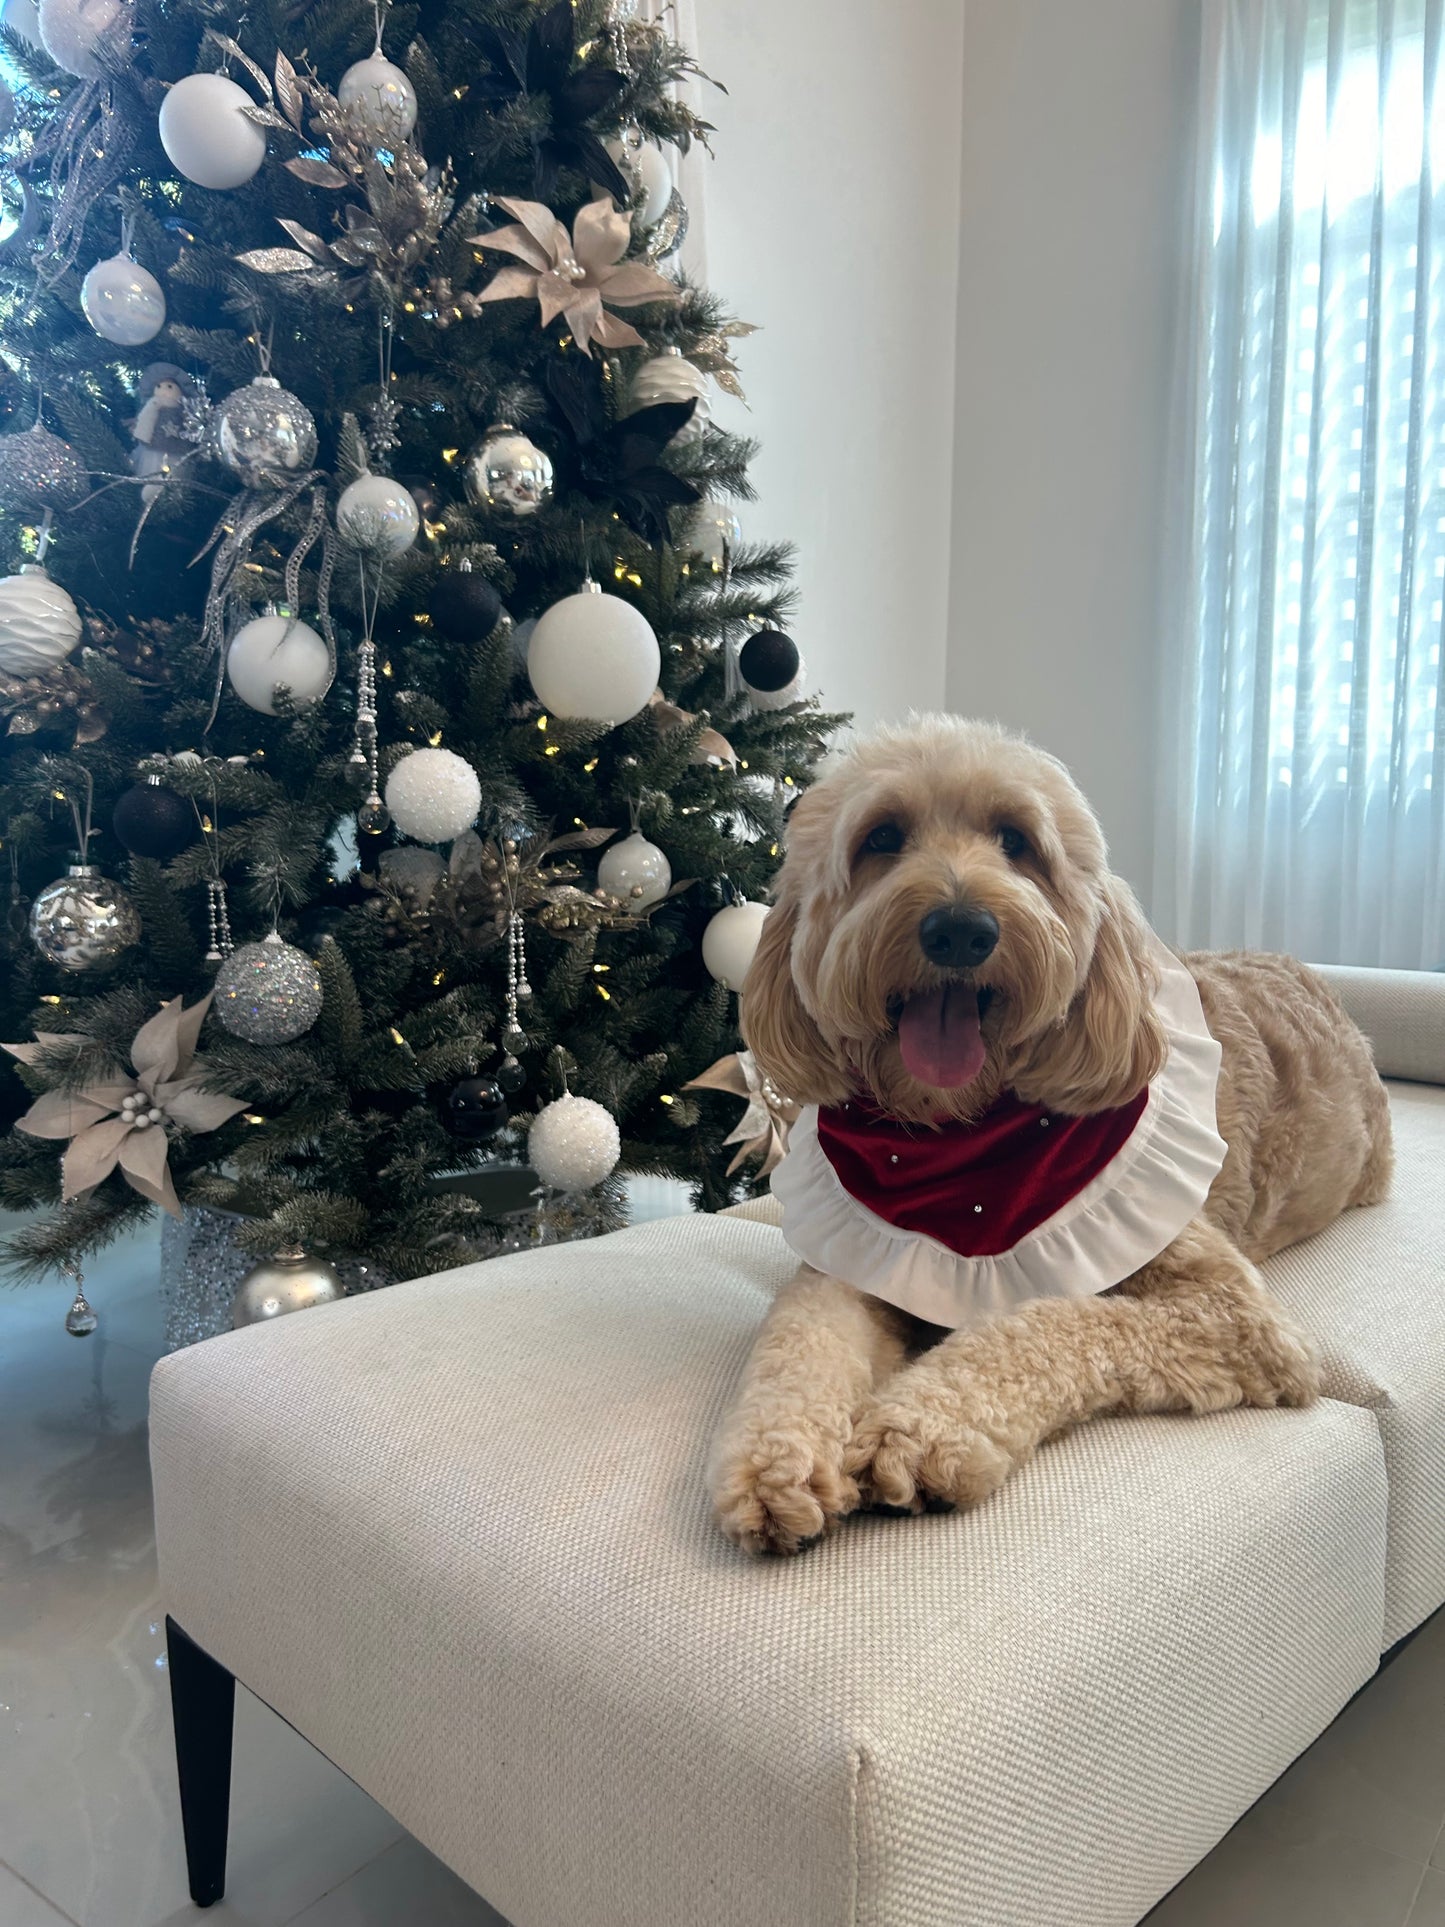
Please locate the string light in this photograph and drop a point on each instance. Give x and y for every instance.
(667, 1098)
(589, 767)
(396, 1036)
(254, 1117)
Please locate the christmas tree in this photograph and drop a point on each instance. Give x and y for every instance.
(381, 648)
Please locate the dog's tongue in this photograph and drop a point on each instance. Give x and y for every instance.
(939, 1037)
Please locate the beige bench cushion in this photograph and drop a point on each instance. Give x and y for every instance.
(456, 1533)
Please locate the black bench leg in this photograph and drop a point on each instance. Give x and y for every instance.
(203, 1699)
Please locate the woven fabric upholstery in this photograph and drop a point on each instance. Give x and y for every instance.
(1371, 1291)
(456, 1533)
(1402, 1012)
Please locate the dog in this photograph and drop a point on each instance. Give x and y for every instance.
(949, 961)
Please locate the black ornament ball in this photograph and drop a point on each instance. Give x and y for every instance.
(769, 660)
(150, 820)
(426, 495)
(464, 607)
(476, 1109)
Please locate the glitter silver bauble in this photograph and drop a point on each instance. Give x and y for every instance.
(573, 1144)
(290, 1280)
(507, 471)
(670, 376)
(39, 624)
(267, 992)
(263, 433)
(39, 471)
(433, 795)
(378, 515)
(84, 921)
(637, 871)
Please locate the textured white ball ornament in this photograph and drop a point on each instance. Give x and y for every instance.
(70, 30)
(39, 624)
(378, 515)
(271, 652)
(378, 97)
(123, 302)
(594, 657)
(433, 795)
(730, 940)
(637, 871)
(206, 136)
(670, 376)
(573, 1144)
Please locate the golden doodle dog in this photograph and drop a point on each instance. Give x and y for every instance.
(1042, 1155)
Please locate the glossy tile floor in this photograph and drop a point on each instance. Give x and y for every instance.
(1350, 1837)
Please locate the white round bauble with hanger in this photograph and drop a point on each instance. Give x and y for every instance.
(123, 302)
(730, 940)
(273, 652)
(574, 1143)
(377, 97)
(433, 795)
(71, 30)
(39, 624)
(593, 657)
(379, 515)
(206, 135)
(636, 871)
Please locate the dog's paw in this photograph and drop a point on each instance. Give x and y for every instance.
(778, 1490)
(908, 1457)
(1278, 1368)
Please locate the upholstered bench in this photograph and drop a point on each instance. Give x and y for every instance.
(456, 1534)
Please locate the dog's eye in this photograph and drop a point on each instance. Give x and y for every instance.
(885, 840)
(1012, 842)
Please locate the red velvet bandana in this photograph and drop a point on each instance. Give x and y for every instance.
(976, 1188)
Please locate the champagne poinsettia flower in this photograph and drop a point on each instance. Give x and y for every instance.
(574, 274)
(123, 1121)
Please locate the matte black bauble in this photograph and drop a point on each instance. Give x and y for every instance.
(476, 1109)
(150, 820)
(769, 660)
(464, 607)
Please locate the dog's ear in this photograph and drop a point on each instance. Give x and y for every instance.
(781, 1035)
(1111, 1043)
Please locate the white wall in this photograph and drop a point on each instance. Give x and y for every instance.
(832, 211)
(1077, 128)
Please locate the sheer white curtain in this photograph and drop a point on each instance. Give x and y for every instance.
(1303, 750)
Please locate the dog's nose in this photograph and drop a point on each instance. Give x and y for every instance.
(956, 937)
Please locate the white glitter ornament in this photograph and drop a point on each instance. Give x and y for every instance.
(123, 302)
(730, 940)
(71, 30)
(378, 515)
(273, 652)
(670, 376)
(593, 656)
(637, 871)
(573, 1144)
(433, 795)
(378, 98)
(39, 624)
(206, 135)
(267, 992)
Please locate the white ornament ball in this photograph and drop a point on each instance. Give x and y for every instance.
(412, 871)
(273, 652)
(22, 17)
(433, 795)
(290, 1280)
(379, 515)
(637, 871)
(573, 1144)
(205, 134)
(378, 98)
(730, 940)
(670, 376)
(70, 31)
(594, 657)
(39, 624)
(654, 176)
(123, 302)
(714, 534)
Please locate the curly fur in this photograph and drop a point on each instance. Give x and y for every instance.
(846, 1401)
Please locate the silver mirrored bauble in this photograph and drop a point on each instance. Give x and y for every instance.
(39, 471)
(573, 1144)
(378, 98)
(263, 433)
(123, 302)
(378, 515)
(290, 1280)
(636, 871)
(507, 471)
(39, 624)
(268, 992)
(84, 921)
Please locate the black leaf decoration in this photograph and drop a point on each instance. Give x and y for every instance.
(540, 64)
(619, 462)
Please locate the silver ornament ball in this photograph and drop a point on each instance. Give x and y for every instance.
(39, 471)
(123, 302)
(83, 921)
(573, 1144)
(378, 515)
(268, 992)
(264, 434)
(290, 1280)
(412, 871)
(508, 471)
